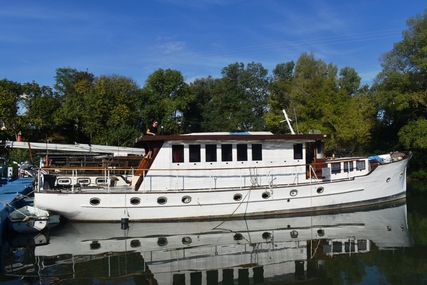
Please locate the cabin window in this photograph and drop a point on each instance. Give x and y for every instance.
(256, 152)
(242, 152)
(226, 152)
(348, 166)
(210, 150)
(360, 165)
(194, 153)
(177, 153)
(298, 151)
(335, 167)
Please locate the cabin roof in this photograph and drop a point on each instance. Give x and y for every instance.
(240, 136)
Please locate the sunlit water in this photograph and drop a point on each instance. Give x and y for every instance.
(382, 245)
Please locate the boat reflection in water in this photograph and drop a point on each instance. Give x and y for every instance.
(282, 249)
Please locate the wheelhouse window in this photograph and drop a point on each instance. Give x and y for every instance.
(210, 150)
(360, 165)
(348, 166)
(177, 153)
(256, 152)
(298, 151)
(194, 152)
(226, 152)
(335, 167)
(242, 152)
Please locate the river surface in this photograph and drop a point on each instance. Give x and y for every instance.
(381, 245)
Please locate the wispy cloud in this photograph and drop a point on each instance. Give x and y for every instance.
(196, 37)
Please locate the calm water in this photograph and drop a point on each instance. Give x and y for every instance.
(383, 245)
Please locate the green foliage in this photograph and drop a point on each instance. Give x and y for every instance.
(400, 89)
(164, 98)
(73, 87)
(9, 99)
(320, 99)
(238, 101)
(414, 134)
(279, 99)
(109, 104)
(202, 91)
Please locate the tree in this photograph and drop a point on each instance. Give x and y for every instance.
(202, 91)
(322, 101)
(165, 97)
(72, 87)
(400, 88)
(239, 100)
(11, 122)
(110, 113)
(279, 99)
(349, 81)
(41, 105)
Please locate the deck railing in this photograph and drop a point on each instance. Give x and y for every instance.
(178, 179)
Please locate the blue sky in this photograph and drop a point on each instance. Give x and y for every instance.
(199, 38)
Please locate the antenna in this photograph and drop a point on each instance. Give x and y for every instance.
(288, 121)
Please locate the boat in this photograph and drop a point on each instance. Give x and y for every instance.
(28, 219)
(208, 176)
(282, 248)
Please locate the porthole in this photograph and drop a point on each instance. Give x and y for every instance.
(135, 243)
(64, 181)
(95, 245)
(388, 180)
(94, 201)
(135, 201)
(101, 181)
(162, 200)
(320, 190)
(400, 175)
(83, 181)
(320, 233)
(186, 199)
(294, 234)
(265, 195)
(238, 236)
(293, 192)
(187, 240)
(237, 197)
(266, 235)
(162, 241)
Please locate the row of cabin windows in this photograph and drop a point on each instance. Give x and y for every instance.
(211, 152)
(226, 152)
(348, 166)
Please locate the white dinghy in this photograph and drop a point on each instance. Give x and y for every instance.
(28, 219)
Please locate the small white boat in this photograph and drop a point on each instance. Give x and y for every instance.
(28, 219)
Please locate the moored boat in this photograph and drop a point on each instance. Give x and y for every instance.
(28, 219)
(215, 175)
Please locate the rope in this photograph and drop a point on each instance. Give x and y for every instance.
(238, 206)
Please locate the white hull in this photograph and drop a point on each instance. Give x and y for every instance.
(386, 183)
